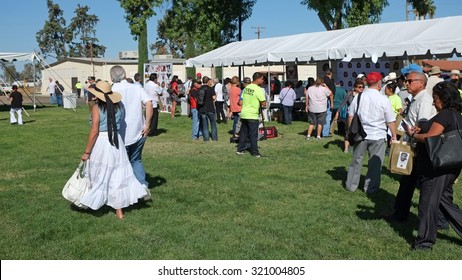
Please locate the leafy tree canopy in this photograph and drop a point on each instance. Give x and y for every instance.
(191, 27)
(338, 14)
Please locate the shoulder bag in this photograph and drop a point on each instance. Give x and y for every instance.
(78, 185)
(445, 150)
(356, 131)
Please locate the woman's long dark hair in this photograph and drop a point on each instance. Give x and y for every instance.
(111, 109)
(449, 96)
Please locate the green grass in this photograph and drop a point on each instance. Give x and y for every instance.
(209, 203)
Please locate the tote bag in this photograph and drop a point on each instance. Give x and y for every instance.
(401, 158)
(445, 150)
(78, 185)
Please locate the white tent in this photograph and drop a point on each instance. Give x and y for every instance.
(441, 37)
(10, 57)
(13, 57)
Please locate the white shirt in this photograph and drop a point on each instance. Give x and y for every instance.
(153, 90)
(219, 92)
(375, 112)
(51, 87)
(421, 108)
(133, 96)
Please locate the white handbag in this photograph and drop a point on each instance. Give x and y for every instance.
(78, 185)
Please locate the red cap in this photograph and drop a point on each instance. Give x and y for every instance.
(198, 74)
(373, 78)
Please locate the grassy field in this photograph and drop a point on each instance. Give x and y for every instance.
(209, 203)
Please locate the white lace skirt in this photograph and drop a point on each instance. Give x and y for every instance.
(112, 180)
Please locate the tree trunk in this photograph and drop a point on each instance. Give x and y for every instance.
(142, 48)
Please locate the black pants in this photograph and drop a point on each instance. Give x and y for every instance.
(403, 201)
(221, 116)
(436, 195)
(154, 122)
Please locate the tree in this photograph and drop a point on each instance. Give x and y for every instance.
(137, 12)
(338, 14)
(191, 27)
(78, 39)
(52, 38)
(9, 74)
(423, 8)
(82, 26)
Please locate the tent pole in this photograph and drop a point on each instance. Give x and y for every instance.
(35, 105)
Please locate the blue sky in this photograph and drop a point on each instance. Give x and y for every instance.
(278, 17)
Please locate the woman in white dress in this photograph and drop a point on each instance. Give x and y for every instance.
(111, 175)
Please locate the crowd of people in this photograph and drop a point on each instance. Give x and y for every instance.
(126, 112)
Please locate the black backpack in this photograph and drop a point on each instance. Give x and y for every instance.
(200, 96)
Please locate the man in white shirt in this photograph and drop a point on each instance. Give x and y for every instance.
(420, 109)
(51, 91)
(220, 102)
(134, 129)
(376, 114)
(154, 91)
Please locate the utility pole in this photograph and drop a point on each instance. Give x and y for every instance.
(259, 31)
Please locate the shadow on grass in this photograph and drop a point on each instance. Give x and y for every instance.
(160, 131)
(338, 142)
(155, 182)
(105, 210)
(383, 203)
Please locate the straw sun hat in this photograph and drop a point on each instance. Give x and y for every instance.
(103, 87)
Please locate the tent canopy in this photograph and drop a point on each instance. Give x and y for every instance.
(10, 57)
(440, 36)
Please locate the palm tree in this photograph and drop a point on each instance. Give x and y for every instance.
(423, 8)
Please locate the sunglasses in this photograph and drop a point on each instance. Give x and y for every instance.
(409, 81)
(359, 86)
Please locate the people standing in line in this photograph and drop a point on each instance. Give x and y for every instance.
(375, 113)
(421, 109)
(275, 85)
(316, 106)
(299, 90)
(154, 91)
(78, 87)
(338, 117)
(174, 94)
(436, 186)
(51, 90)
(358, 88)
(135, 127)
(59, 89)
(234, 97)
(196, 133)
(207, 110)
(219, 102)
(16, 106)
(253, 100)
(91, 99)
(329, 81)
(395, 100)
(287, 97)
(434, 77)
(137, 79)
(111, 175)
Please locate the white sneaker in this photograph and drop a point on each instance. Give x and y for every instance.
(147, 196)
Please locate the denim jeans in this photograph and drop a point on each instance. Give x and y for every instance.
(196, 131)
(235, 121)
(52, 98)
(287, 114)
(59, 99)
(134, 152)
(249, 133)
(326, 127)
(205, 117)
